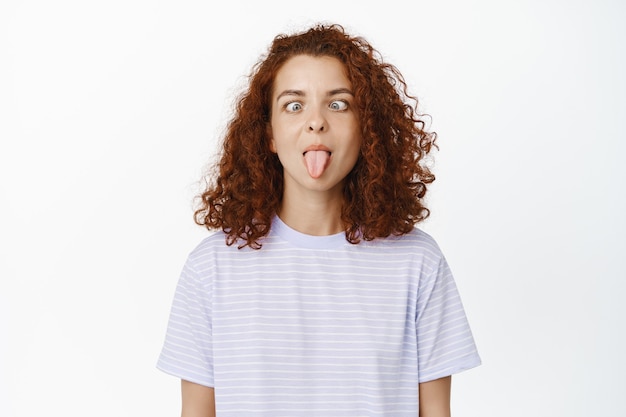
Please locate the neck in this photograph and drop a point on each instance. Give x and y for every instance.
(311, 214)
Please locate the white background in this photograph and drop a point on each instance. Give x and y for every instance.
(109, 112)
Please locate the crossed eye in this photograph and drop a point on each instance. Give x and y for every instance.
(294, 106)
(338, 105)
(335, 105)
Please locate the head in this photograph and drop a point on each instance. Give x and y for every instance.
(383, 193)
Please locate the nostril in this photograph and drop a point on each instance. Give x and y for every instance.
(316, 127)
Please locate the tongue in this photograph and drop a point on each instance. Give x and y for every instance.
(316, 162)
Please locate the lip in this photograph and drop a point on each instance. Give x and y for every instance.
(317, 148)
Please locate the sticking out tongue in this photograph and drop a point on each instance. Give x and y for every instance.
(316, 162)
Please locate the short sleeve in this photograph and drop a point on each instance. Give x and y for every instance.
(445, 344)
(187, 350)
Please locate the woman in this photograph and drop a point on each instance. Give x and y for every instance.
(318, 296)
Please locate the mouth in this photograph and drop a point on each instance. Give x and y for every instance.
(317, 148)
(316, 160)
(305, 152)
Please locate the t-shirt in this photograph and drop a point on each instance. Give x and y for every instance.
(316, 326)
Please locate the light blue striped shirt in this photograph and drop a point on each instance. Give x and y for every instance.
(317, 326)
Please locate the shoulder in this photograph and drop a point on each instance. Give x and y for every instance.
(213, 249)
(421, 239)
(203, 256)
(215, 241)
(416, 242)
(416, 249)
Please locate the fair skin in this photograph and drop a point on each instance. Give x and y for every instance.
(435, 397)
(197, 400)
(313, 110)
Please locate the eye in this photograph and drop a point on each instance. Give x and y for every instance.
(338, 105)
(293, 106)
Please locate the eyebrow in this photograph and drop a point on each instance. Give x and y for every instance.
(301, 93)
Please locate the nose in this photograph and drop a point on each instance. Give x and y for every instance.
(316, 123)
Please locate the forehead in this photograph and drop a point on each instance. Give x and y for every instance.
(305, 71)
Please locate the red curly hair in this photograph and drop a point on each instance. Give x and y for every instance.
(384, 192)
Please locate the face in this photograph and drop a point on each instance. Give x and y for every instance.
(314, 126)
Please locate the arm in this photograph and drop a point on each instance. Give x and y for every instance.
(435, 398)
(197, 400)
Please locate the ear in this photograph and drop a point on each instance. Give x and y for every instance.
(268, 131)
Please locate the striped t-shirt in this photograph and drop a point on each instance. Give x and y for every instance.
(317, 326)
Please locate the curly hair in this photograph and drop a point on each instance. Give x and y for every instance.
(384, 192)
